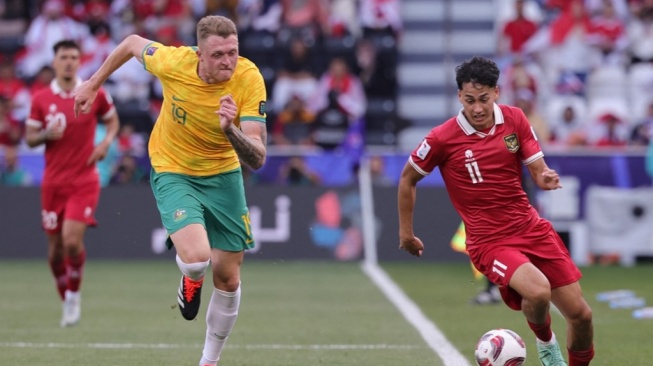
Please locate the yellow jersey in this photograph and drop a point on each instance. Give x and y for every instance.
(187, 137)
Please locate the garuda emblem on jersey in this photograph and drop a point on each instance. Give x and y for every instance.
(512, 143)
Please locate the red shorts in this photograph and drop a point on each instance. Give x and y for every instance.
(77, 203)
(541, 246)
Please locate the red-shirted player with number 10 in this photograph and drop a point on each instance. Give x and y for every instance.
(480, 154)
(71, 187)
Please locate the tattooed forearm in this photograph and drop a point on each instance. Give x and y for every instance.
(251, 151)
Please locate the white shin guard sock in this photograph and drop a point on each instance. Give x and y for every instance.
(220, 318)
(195, 271)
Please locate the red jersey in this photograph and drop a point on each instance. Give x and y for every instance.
(483, 171)
(66, 158)
(519, 31)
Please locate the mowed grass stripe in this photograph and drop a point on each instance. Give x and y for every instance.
(295, 305)
(443, 291)
(413, 314)
(330, 347)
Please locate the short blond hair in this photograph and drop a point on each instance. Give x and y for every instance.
(215, 25)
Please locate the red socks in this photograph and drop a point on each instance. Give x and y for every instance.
(75, 269)
(542, 331)
(58, 269)
(576, 358)
(581, 358)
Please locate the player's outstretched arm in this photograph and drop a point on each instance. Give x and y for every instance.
(406, 204)
(85, 94)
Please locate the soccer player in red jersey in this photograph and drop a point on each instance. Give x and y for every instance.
(71, 187)
(480, 153)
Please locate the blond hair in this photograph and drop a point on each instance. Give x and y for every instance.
(215, 25)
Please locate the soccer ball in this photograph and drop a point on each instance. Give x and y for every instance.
(500, 347)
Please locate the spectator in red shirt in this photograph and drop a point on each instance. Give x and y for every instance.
(15, 90)
(609, 34)
(10, 129)
(517, 31)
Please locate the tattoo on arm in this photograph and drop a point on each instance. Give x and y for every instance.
(251, 151)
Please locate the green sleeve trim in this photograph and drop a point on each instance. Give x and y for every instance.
(143, 54)
(252, 118)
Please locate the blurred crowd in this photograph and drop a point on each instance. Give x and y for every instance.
(322, 60)
(582, 70)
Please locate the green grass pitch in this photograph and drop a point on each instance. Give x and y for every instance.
(292, 314)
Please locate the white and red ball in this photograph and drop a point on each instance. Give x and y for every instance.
(500, 347)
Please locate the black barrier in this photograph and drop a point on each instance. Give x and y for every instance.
(435, 221)
(127, 219)
(288, 223)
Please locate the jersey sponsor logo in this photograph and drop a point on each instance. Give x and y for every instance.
(423, 150)
(261, 107)
(179, 215)
(150, 50)
(512, 143)
(177, 99)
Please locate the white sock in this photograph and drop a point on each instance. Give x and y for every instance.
(550, 342)
(220, 318)
(70, 295)
(195, 271)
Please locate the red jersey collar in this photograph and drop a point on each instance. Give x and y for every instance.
(467, 127)
(56, 89)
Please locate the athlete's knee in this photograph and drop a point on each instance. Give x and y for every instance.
(72, 244)
(230, 284)
(194, 270)
(581, 316)
(227, 282)
(192, 252)
(194, 256)
(55, 247)
(56, 253)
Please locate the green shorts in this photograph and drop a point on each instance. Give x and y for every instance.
(217, 202)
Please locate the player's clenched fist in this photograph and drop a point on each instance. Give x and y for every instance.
(227, 112)
(84, 96)
(551, 179)
(413, 246)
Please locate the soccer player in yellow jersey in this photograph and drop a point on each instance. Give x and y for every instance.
(212, 118)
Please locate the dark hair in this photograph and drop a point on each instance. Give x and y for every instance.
(478, 70)
(66, 44)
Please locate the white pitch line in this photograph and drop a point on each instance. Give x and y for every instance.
(299, 347)
(433, 337)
